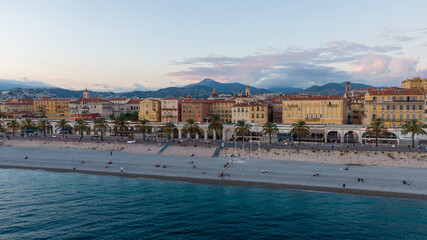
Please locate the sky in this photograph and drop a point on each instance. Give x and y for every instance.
(137, 45)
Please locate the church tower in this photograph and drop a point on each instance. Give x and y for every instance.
(86, 94)
(347, 88)
(248, 90)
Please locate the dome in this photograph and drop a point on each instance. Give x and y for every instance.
(214, 94)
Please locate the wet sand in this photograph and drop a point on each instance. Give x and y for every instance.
(378, 181)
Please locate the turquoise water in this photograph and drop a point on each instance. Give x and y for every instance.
(49, 205)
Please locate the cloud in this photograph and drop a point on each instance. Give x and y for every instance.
(381, 68)
(302, 67)
(392, 33)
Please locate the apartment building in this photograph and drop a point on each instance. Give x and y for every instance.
(314, 109)
(253, 112)
(394, 106)
(170, 110)
(223, 108)
(198, 110)
(52, 108)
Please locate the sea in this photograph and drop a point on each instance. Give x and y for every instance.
(36, 204)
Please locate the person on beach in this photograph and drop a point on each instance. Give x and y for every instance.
(121, 169)
(343, 185)
(111, 153)
(26, 157)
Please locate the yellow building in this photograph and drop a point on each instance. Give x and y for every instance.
(14, 105)
(394, 106)
(223, 108)
(253, 112)
(150, 110)
(313, 109)
(52, 108)
(415, 83)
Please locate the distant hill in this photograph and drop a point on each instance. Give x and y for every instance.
(202, 89)
(6, 84)
(285, 90)
(336, 88)
(227, 88)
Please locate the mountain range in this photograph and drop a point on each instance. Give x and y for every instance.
(202, 89)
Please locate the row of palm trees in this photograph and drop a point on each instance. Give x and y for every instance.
(26, 126)
(241, 128)
(375, 128)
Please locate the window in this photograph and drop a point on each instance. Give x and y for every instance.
(401, 117)
(400, 107)
(420, 107)
(375, 107)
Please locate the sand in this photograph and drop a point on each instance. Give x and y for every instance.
(352, 157)
(378, 180)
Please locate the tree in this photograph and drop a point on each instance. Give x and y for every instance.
(2, 128)
(168, 129)
(27, 125)
(13, 124)
(242, 128)
(376, 128)
(270, 129)
(215, 124)
(415, 128)
(63, 126)
(101, 125)
(43, 125)
(81, 126)
(300, 129)
(143, 127)
(191, 127)
(121, 125)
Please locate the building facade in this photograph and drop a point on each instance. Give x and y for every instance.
(198, 110)
(223, 108)
(415, 83)
(150, 110)
(394, 106)
(314, 109)
(171, 110)
(99, 106)
(253, 112)
(52, 108)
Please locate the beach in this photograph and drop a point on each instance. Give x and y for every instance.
(351, 157)
(377, 180)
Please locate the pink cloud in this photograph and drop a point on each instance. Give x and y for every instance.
(375, 67)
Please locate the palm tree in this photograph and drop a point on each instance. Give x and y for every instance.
(63, 126)
(241, 127)
(415, 128)
(270, 129)
(43, 125)
(215, 124)
(300, 129)
(168, 129)
(191, 127)
(14, 125)
(121, 125)
(101, 124)
(27, 125)
(81, 126)
(376, 128)
(143, 127)
(2, 128)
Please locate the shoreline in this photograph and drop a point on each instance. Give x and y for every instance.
(227, 182)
